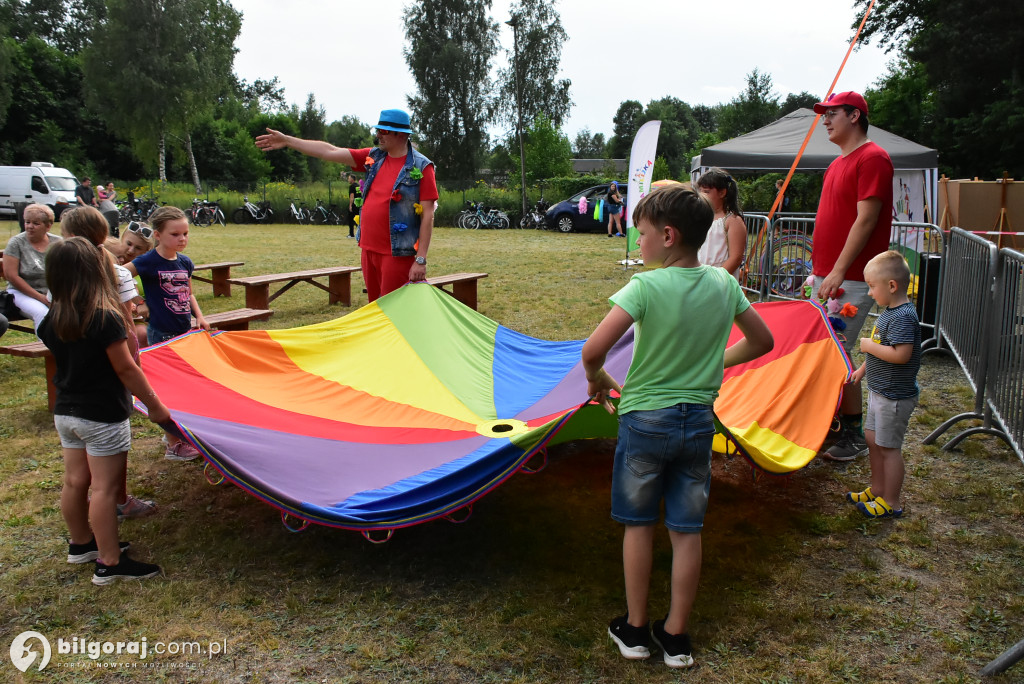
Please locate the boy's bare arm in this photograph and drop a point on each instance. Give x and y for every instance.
(757, 339)
(897, 353)
(595, 351)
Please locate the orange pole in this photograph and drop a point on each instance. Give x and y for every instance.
(807, 138)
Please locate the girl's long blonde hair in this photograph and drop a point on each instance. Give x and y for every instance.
(81, 283)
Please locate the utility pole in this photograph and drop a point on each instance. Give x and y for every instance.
(514, 23)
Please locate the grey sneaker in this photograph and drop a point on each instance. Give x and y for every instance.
(182, 451)
(135, 508)
(848, 447)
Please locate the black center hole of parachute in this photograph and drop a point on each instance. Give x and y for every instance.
(502, 427)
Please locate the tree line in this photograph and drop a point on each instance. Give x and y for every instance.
(134, 88)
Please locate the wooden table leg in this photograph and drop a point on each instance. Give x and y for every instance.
(339, 289)
(257, 296)
(465, 292)
(51, 389)
(221, 286)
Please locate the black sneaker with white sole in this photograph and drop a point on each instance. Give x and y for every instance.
(675, 648)
(633, 642)
(127, 568)
(847, 448)
(83, 553)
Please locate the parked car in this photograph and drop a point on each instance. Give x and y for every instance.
(565, 216)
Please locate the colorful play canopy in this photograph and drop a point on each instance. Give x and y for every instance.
(414, 406)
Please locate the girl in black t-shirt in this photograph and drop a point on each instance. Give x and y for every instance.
(85, 329)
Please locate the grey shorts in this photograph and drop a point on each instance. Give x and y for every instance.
(888, 419)
(854, 292)
(98, 439)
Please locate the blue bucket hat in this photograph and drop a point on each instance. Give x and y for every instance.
(394, 120)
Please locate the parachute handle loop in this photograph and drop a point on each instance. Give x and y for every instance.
(286, 516)
(212, 475)
(534, 470)
(458, 521)
(367, 535)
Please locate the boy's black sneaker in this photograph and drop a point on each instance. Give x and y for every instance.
(675, 648)
(633, 642)
(83, 553)
(127, 568)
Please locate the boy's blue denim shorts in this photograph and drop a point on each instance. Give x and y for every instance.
(664, 454)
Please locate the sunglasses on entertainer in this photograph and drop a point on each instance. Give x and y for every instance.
(139, 229)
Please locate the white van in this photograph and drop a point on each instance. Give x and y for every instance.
(41, 183)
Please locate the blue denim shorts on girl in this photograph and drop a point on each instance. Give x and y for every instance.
(664, 454)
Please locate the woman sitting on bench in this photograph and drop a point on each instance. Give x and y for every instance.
(25, 263)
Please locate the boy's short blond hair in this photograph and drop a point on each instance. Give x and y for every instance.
(680, 206)
(891, 266)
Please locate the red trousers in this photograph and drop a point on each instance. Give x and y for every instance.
(384, 273)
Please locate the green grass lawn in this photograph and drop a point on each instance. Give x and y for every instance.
(796, 586)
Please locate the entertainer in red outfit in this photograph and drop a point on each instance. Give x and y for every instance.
(853, 224)
(397, 212)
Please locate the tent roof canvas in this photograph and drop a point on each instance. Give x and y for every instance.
(773, 148)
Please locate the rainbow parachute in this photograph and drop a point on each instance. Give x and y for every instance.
(414, 406)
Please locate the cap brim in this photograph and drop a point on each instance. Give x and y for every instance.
(820, 108)
(393, 128)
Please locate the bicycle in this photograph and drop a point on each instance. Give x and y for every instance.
(300, 214)
(198, 214)
(214, 212)
(324, 215)
(252, 213)
(488, 218)
(468, 210)
(537, 217)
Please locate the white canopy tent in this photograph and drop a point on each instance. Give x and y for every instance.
(773, 148)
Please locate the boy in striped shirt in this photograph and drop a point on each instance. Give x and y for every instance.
(892, 357)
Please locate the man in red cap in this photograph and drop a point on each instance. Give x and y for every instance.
(853, 224)
(397, 209)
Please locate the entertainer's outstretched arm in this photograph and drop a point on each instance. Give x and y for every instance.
(276, 140)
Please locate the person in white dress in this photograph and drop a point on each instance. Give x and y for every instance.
(726, 243)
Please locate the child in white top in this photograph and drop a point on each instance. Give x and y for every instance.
(727, 238)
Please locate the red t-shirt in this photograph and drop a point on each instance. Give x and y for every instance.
(864, 173)
(374, 225)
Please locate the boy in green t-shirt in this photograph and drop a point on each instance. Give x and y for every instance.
(683, 313)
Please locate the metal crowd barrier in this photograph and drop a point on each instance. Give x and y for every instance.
(778, 264)
(1006, 389)
(923, 245)
(969, 271)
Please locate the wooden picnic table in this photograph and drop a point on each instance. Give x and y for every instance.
(219, 275)
(463, 286)
(338, 288)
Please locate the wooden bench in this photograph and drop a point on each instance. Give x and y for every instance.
(463, 286)
(219, 276)
(338, 288)
(238, 319)
(36, 350)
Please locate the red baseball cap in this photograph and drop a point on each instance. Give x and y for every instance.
(839, 99)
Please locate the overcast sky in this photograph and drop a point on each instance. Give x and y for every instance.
(699, 52)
